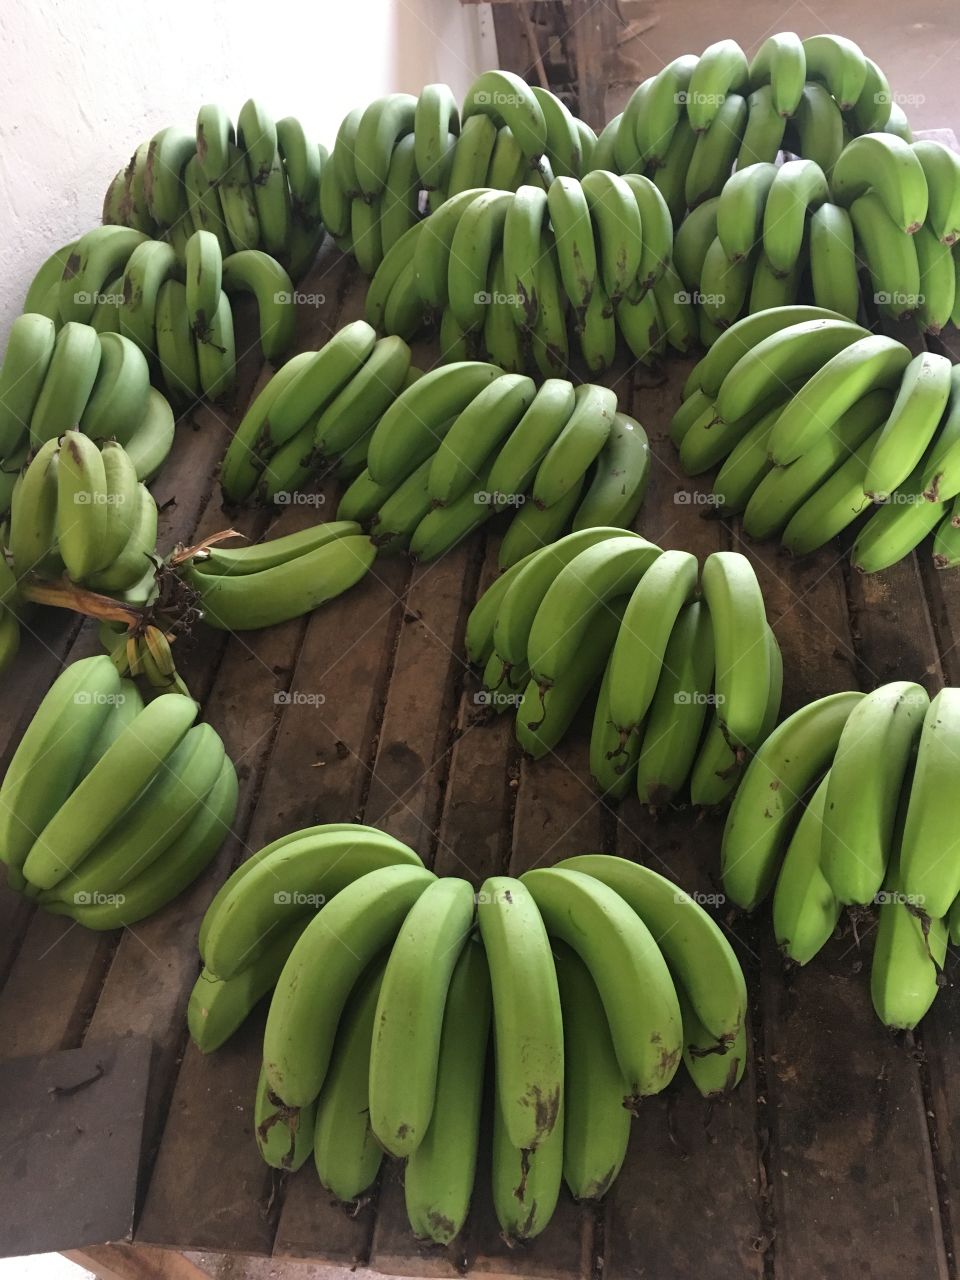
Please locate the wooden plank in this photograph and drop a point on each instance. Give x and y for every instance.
(247, 704)
(822, 1123)
(684, 1150)
(412, 745)
(206, 1192)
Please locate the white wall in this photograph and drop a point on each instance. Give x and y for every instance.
(84, 81)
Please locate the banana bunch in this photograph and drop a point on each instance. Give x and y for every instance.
(801, 231)
(665, 645)
(847, 804)
(467, 441)
(110, 808)
(76, 380)
(699, 118)
(404, 155)
(386, 984)
(255, 186)
(433, 456)
(80, 511)
(320, 403)
(815, 421)
(510, 273)
(174, 307)
(260, 585)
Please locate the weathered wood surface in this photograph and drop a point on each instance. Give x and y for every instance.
(835, 1155)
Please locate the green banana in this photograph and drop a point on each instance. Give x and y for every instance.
(27, 358)
(619, 482)
(527, 1015)
(649, 618)
(793, 757)
(891, 169)
(921, 399)
(118, 778)
(404, 1057)
(863, 366)
(596, 1123)
(250, 601)
(577, 596)
(506, 99)
(672, 732)
(322, 971)
(67, 384)
(623, 959)
(835, 505)
(439, 1175)
(783, 490)
(412, 426)
(50, 756)
(345, 1151)
(703, 963)
(781, 63)
(735, 602)
(805, 908)
(717, 768)
(833, 262)
(929, 867)
(871, 762)
(764, 130)
(219, 1006)
(586, 432)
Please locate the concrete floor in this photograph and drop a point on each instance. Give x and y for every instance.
(916, 44)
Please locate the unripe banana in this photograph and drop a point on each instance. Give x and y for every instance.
(784, 767)
(439, 1175)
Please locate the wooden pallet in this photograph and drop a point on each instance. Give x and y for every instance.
(835, 1156)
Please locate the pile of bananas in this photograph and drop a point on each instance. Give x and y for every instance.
(78, 378)
(110, 808)
(245, 588)
(174, 308)
(256, 186)
(434, 455)
(816, 421)
(387, 980)
(604, 606)
(80, 522)
(799, 232)
(697, 118)
(508, 273)
(850, 803)
(403, 153)
(80, 510)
